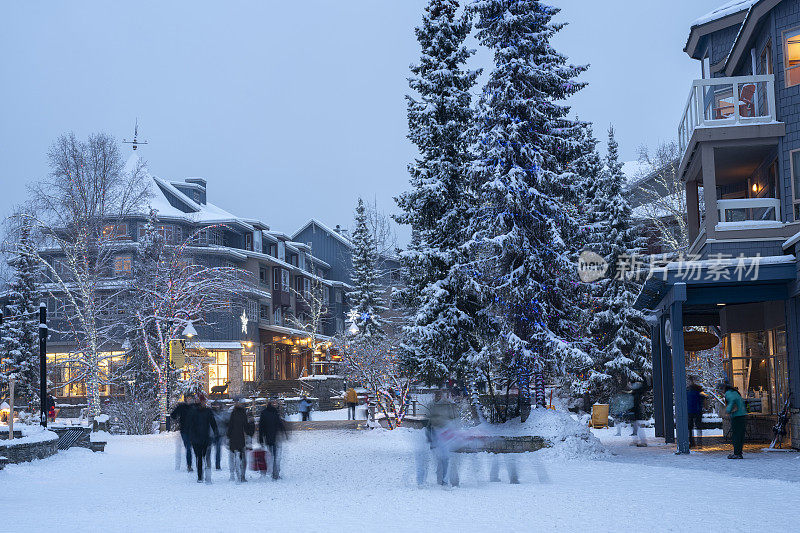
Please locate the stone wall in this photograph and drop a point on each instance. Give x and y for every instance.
(504, 444)
(21, 453)
(324, 388)
(794, 428)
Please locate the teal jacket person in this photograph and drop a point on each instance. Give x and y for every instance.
(735, 404)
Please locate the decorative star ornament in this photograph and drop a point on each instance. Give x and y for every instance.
(352, 315)
(244, 320)
(364, 316)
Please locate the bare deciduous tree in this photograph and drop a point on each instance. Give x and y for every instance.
(662, 195)
(374, 364)
(75, 213)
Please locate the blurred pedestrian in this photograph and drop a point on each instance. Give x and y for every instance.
(271, 430)
(221, 417)
(694, 406)
(181, 415)
(239, 427)
(305, 408)
(734, 405)
(638, 389)
(441, 422)
(202, 429)
(351, 400)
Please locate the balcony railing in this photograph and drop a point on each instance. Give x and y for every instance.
(749, 210)
(727, 101)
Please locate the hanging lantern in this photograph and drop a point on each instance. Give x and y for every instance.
(696, 341)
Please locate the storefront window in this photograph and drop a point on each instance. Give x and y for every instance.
(248, 370)
(756, 364)
(218, 371)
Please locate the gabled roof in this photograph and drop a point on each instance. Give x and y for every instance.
(729, 8)
(339, 237)
(730, 14)
(192, 212)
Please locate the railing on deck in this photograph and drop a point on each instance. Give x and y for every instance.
(749, 210)
(711, 102)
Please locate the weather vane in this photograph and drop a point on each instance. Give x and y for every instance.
(135, 142)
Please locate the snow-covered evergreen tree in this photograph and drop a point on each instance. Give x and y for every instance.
(19, 333)
(588, 175)
(523, 226)
(619, 332)
(365, 297)
(442, 337)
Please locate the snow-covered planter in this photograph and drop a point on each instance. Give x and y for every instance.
(35, 443)
(562, 435)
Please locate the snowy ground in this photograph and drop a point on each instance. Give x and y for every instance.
(364, 481)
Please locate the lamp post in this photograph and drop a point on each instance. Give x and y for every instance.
(44, 399)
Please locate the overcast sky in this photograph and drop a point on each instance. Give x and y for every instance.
(292, 110)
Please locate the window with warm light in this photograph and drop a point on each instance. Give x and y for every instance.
(791, 41)
(218, 371)
(248, 370)
(123, 265)
(115, 231)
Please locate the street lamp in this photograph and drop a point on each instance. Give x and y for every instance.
(189, 330)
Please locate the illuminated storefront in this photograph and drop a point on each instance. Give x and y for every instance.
(64, 371)
(756, 364)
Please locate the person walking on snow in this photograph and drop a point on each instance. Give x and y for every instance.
(239, 425)
(734, 405)
(221, 418)
(351, 399)
(270, 430)
(202, 427)
(694, 406)
(181, 415)
(637, 391)
(305, 408)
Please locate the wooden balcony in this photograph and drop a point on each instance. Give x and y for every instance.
(726, 102)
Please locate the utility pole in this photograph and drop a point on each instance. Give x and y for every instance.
(43, 396)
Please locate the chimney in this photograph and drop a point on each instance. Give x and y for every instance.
(201, 182)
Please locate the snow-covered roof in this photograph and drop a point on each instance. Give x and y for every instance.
(635, 170)
(207, 213)
(729, 8)
(335, 234)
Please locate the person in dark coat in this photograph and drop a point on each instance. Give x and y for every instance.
(270, 430)
(202, 428)
(181, 415)
(694, 406)
(637, 391)
(239, 426)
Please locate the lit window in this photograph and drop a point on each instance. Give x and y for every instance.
(115, 231)
(218, 371)
(248, 370)
(123, 265)
(792, 57)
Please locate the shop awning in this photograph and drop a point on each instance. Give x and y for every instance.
(214, 345)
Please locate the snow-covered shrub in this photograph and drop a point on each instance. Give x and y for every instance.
(134, 414)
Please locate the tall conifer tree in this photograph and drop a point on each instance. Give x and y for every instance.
(365, 298)
(619, 332)
(443, 336)
(522, 227)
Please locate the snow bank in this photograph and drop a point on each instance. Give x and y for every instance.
(570, 438)
(30, 434)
